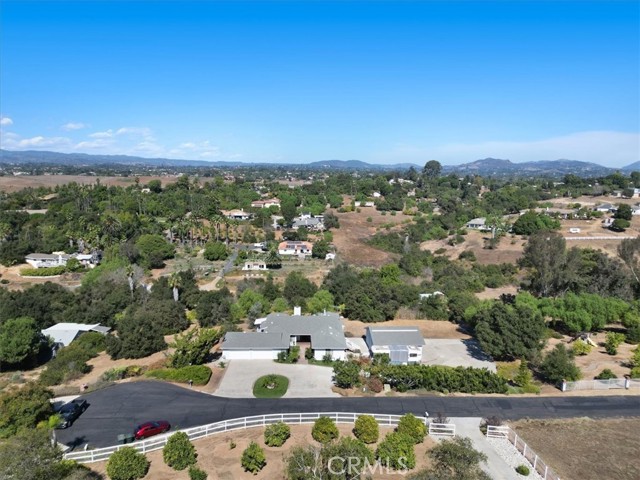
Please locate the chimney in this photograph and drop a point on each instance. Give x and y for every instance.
(297, 310)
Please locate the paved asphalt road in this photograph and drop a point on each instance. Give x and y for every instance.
(118, 409)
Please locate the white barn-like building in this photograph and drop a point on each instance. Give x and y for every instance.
(402, 344)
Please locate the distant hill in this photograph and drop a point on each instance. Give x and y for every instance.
(630, 168)
(496, 166)
(485, 166)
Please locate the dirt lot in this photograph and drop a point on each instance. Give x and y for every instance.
(428, 328)
(350, 239)
(17, 282)
(221, 462)
(13, 184)
(586, 449)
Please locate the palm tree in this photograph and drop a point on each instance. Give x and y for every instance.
(175, 283)
(129, 271)
(273, 259)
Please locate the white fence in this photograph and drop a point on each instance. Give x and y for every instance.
(600, 237)
(536, 462)
(448, 429)
(156, 443)
(611, 383)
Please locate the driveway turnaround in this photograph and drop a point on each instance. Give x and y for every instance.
(118, 409)
(455, 353)
(304, 380)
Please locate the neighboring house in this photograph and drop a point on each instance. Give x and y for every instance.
(402, 344)
(311, 223)
(635, 210)
(60, 259)
(479, 223)
(369, 204)
(65, 333)
(377, 195)
(260, 266)
(275, 219)
(564, 213)
(46, 260)
(330, 256)
(424, 296)
(274, 202)
(607, 222)
(236, 214)
(295, 247)
(605, 207)
(279, 331)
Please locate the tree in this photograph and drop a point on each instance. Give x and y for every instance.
(324, 430)
(629, 253)
(366, 429)
(624, 212)
(127, 464)
(320, 249)
(545, 253)
(214, 308)
(297, 288)
(214, 251)
(175, 283)
(193, 347)
(346, 374)
(253, 459)
(524, 377)
(288, 207)
(412, 427)
(154, 249)
(30, 455)
(273, 259)
(613, 341)
(455, 459)
(510, 331)
(559, 365)
(24, 408)
(321, 301)
(619, 225)
(432, 169)
(276, 434)
(167, 315)
(138, 336)
(20, 340)
(346, 458)
(532, 222)
(179, 452)
(396, 451)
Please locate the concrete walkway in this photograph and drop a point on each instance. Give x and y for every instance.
(304, 380)
(496, 466)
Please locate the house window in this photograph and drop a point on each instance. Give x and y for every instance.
(413, 354)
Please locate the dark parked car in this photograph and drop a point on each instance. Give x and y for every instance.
(151, 428)
(69, 412)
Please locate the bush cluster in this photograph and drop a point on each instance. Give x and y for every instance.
(396, 451)
(324, 430)
(199, 374)
(179, 452)
(71, 362)
(253, 458)
(442, 378)
(411, 427)
(127, 464)
(276, 434)
(119, 373)
(366, 429)
(290, 356)
(43, 272)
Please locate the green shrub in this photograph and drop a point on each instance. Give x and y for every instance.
(197, 474)
(127, 464)
(605, 374)
(613, 341)
(366, 429)
(276, 434)
(290, 356)
(324, 430)
(43, 272)
(522, 470)
(375, 384)
(69, 363)
(559, 365)
(412, 427)
(635, 372)
(199, 374)
(581, 347)
(179, 452)
(346, 374)
(253, 459)
(396, 451)
(635, 358)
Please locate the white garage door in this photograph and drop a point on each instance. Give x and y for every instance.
(251, 354)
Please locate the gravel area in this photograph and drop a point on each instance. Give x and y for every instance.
(512, 456)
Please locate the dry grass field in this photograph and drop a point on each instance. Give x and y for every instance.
(16, 183)
(223, 463)
(586, 449)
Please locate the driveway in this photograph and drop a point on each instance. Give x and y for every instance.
(456, 353)
(304, 380)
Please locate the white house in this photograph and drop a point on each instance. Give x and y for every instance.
(402, 344)
(236, 214)
(273, 202)
(376, 195)
(255, 265)
(65, 333)
(46, 260)
(479, 223)
(295, 247)
(605, 207)
(310, 223)
(635, 210)
(279, 331)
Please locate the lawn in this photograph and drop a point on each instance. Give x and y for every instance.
(270, 386)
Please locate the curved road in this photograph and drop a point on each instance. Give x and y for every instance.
(118, 409)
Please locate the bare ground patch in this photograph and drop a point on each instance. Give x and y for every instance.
(586, 449)
(428, 328)
(16, 183)
(222, 462)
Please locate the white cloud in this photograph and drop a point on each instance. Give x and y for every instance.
(73, 126)
(5, 121)
(144, 132)
(105, 134)
(13, 141)
(94, 144)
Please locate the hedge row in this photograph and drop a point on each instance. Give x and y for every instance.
(199, 374)
(43, 272)
(442, 379)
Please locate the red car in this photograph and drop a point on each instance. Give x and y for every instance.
(151, 428)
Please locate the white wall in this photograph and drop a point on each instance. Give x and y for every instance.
(250, 354)
(335, 354)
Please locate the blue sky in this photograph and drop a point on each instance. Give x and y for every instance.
(383, 82)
